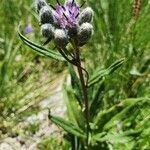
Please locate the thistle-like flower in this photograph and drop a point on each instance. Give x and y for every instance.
(66, 20)
(66, 16)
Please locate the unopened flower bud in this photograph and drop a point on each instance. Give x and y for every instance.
(47, 30)
(72, 32)
(84, 33)
(46, 15)
(85, 16)
(60, 38)
(40, 4)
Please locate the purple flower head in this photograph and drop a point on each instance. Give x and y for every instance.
(65, 23)
(66, 15)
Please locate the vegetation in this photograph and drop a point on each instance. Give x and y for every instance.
(116, 58)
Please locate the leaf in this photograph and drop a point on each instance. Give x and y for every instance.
(106, 119)
(104, 116)
(67, 126)
(43, 51)
(97, 100)
(75, 84)
(133, 108)
(116, 137)
(74, 111)
(99, 74)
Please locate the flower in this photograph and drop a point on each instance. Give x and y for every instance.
(66, 16)
(28, 29)
(65, 22)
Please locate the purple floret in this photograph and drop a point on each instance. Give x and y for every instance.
(66, 15)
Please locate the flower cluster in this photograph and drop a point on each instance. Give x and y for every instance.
(65, 22)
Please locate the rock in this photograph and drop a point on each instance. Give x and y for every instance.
(10, 144)
(5, 146)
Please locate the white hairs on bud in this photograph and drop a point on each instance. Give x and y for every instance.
(85, 32)
(39, 4)
(47, 30)
(85, 16)
(60, 37)
(46, 15)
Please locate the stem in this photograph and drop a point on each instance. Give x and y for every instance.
(84, 90)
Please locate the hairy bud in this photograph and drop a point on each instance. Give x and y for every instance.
(46, 15)
(60, 38)
(84, 33)
(85, 16)
(40, 4)
(72, 32)
(47, 30)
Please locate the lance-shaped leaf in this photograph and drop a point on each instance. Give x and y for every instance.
(133, 108)
(67, 126)
(116, 137)
(96, 103)
(99, 74)
(74, 110)
(106, 119)
(104, 116)
(73, 99)
(43, 51)
(75, 83)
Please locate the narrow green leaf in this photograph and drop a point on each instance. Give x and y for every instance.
(97, 99)
(116, 137)
(106, 118)
(43, 51)
(74, 110)
(67, 126)
(116, 65)
(99, 74)
(75, 83)
(134, 108)
(105, 115)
